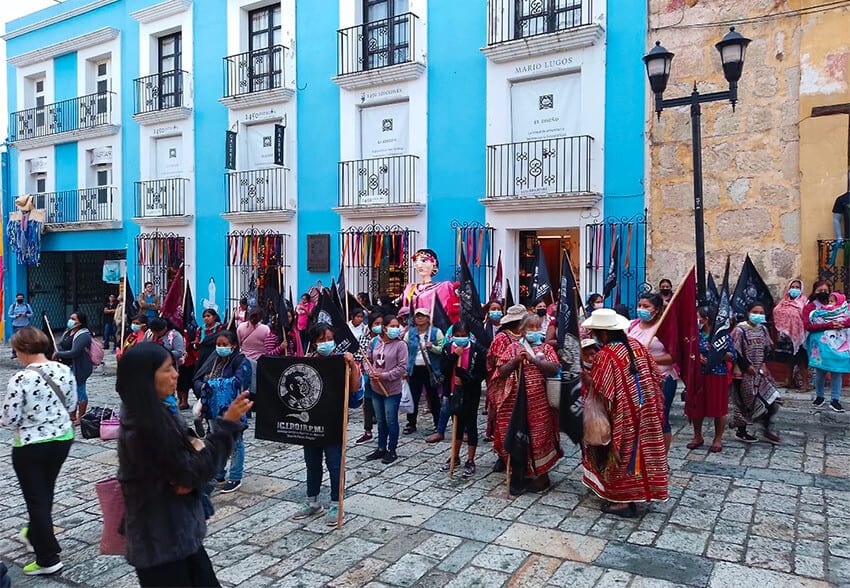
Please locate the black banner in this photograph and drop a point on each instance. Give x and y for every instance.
(751, 288)
(471, 310)
(720, 330)
(567, 305)
(712, 294)
(613, 267)
(330, 313)
(278, 144)
(300, 400)
(230, 150)
(541, 286)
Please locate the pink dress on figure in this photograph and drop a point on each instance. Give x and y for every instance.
(422, 296)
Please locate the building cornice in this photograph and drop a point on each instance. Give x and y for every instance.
(56, 19)
(370, 78)
(571, 39)
(261, 98)
(161, 10)
(64, 47)
(66, 137)
(259, 217)
(575, 200)
(380, 210)
(183, 220)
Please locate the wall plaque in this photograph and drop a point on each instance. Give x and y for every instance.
(319, 253)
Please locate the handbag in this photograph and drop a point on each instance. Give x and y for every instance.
(406, 405)
(112, 541)
(109, 427)
(90, 422)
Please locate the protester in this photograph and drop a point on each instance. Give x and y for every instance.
(594, 302)
(589, 349)
(368, 340)
(540, 311)
(711, 398)
(303, 311)
(388, 361)
(356, 324)
(73, 350)
(493, 318)
(464, 364)
(633, 467)
(824, 355)
(665, 290)
(276, 343)
(403, 319)
(424, 348)
(109, 328)
(240, 313)
(322, 343)
(218, 382)
(162, 332)
(21, 313)
(649, 309)
(751, 382)
(163, 470)
(205, 338)
(138, 333)
(524, 350)
(36, 406)
(509, 334)
(149, 303)
(252, 336)
(791, 339)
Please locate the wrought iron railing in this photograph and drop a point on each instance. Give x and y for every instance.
(161, 197)
(378, 181)
(376, 258)
(257, 190)
(255, 71)
(377, 44)
(160, 91)
(628, 235)
(77, 206)
(834, 263)
(159, 257)
(539, 168)
(83, 112)
(508, 20)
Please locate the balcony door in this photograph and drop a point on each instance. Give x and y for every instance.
(40, 114)
(386, 33)
(538, 17)
(265, 56)
(102, 84)
(170, 62)
(165, 191)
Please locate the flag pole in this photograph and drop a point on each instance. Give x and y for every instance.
(453, 457)
(183, 304)
(670, 304)
(344, 441)
(49, 330)
(124, 304)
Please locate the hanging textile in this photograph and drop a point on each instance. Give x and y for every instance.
(24, 236)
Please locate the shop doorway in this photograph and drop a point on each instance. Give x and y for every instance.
(552, 243)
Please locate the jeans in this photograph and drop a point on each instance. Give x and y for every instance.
(313, 459)
(443, 421)
(109, 332)
(834, 384)
(421, 379)
(37, 467)
(669, 393)
(237, 460)
(386, 412)
(81, 393)
(195, 570)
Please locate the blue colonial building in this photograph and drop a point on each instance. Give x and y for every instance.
(266, 144)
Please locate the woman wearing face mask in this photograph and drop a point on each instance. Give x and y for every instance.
(204, 341)
(218, 382)
(752, 345)
(493, 318)
(372, 330)
(649, 309)
(387, 368)
(594, 302)
(711, 399)
(665, 289)
(527, 351)
(321, 339)
(73, 350)
(823, 356)
(138, 333)
(791, 339)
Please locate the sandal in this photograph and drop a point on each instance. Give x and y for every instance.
(627, 512)
(715, 448)
(695, 444)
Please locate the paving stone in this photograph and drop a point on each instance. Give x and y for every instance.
(244, 569)
(741, 513)
(434, 579)
(769, 553)
(812, 567)
(408, 570)
(302, 579)
(402, 545)
(614, 579)
(715, 469)
(832, 483)
(438, 546)
(501, 559)
(656, 563)
(773, 525)
(725, 551)
(788, 477)
(341, 557)
(838, 570)
(742, 495)
(643, 537)
(478, 578)
(683, 539)
(576, 575)
(386, 509)
(696, 518)
(545, 516)
(729, 574)
(839, 546)
(460, 557)
(467, 525)
(536, 571)
(551, 542)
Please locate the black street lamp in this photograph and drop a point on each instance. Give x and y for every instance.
(732, 48)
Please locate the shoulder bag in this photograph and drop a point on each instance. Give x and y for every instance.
(49, 381)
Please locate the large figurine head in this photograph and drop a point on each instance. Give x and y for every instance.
(426, 264)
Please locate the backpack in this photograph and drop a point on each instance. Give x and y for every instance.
(95, 352)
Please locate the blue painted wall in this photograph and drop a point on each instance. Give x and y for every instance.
(626, 89)
(65, 77)
(318, 131)
(457, 89)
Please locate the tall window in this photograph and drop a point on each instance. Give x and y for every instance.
(537, 17)
(38, 93)
(102, 85)
(264, 35)
(386, 35)
(103, 181)
(170, 63)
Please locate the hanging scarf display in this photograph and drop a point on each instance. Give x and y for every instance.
(24, 236)
(374, 248)
(475, 242)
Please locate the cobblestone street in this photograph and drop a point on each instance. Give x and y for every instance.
(754, 515)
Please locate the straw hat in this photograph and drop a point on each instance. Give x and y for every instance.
(606, 319)
(24, 203)
(515, 314)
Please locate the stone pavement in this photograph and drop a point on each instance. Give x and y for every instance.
(753, 515)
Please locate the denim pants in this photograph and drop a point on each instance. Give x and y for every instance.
(313, 459)
(834, 384)
(669, 393)
(444, 415)
(419, 379)
(386, 412)
(237, 461)
(109, 332)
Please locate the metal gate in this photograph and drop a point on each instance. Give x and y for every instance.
(627, 238)
(377, 258)
(255, 256)
(160, 255)
(834, 264)
(476, 241)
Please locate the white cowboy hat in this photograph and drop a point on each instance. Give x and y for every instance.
(515, 314)
(606, 319)
(585, 343)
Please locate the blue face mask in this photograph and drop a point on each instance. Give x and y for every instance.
(757, 319)
(325, 348)
(377, 329)
(535, 337)
(794, 292)
(71, 324)
(460, 341)
(644, 314)
(170, 403)
(223, 351)
(135, 328)
(496, 315)
(393, 332)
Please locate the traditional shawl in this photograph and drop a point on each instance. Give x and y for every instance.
(788, 317)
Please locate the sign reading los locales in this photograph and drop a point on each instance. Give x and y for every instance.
(546, 108)
(300, 400)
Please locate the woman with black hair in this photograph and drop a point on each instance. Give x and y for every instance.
(626, 382)
(204, 342)
(73, 350)
(368, 339)
(162, 470)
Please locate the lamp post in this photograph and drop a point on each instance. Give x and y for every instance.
(732, 49)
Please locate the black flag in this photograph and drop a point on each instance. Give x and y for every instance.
(751, 288)
(441, 318)
(541, 286)
(509, 295)
(340, 284)
(330, 313)
(471, 310)
(569, 353)
(712, 295)
(518, 436)
(335, 297)
(613, 267)
(720, 330)
(131, 305)
(190, 323)
(567, 306)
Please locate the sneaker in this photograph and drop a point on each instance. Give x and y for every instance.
(745, 437)
(377, 454)
(308, 510)
(34, 569)
(389, 457)
(231, 486)
(836, 406)
(367, 436)
(332, 516)
(469, 469)
(818, 402)
(772, 437)
(448, 465)
(24, 537)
